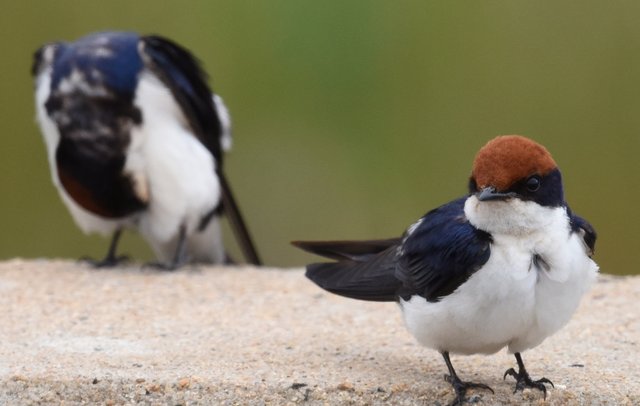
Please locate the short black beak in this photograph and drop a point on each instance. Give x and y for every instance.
(490, 193)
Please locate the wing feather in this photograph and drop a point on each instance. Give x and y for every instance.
(181, 72)
(442, 252)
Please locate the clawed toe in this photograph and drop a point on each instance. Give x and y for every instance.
(107, 262)
(162, 266)
(179, 258)
(463, 386)
(460, 387)
(523, 380)
(111, 259)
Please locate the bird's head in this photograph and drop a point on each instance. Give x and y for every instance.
(514, 185)
(103, 64)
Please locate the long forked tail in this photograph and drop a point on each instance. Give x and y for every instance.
(238, 225)
(364, 270)
(341, 250)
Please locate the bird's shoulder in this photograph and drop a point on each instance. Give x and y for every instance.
(586, 231)
(440, 252)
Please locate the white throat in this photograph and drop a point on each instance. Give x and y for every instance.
(513, 217)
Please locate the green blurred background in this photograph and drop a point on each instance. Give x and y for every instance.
(353, 118)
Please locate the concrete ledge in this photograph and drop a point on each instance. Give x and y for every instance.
(73, 335)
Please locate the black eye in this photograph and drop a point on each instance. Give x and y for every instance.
(533, 183)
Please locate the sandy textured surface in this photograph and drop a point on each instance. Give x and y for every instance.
(72, 335)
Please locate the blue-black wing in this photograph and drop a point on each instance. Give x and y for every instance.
(435, 257)
(441, 253)
(582, 226)
(180, 71)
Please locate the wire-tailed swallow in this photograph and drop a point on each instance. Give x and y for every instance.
(504, 266)
(135, 139)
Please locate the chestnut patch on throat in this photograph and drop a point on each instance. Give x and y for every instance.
(83, 196)
(510, 158)
(108, 195)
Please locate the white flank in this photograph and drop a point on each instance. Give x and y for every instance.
(509, 302)
(180, 172)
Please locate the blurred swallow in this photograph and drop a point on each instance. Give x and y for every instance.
(135, 139)
(504, 266)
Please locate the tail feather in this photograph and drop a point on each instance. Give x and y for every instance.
(365, 269)
(237, 222)
(346, 250)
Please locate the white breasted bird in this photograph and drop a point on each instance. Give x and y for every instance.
(135, 139)
(504, 266)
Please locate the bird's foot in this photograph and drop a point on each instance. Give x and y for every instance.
(164, 266)
(180, 256)
(461, 387)
(106, 262)
(160, 266)
(523, 380)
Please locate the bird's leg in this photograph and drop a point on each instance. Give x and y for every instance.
(111, 259)
(459, 386)
(179, 257)
(523, 380)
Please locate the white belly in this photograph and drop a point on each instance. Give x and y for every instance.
(509, 302)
